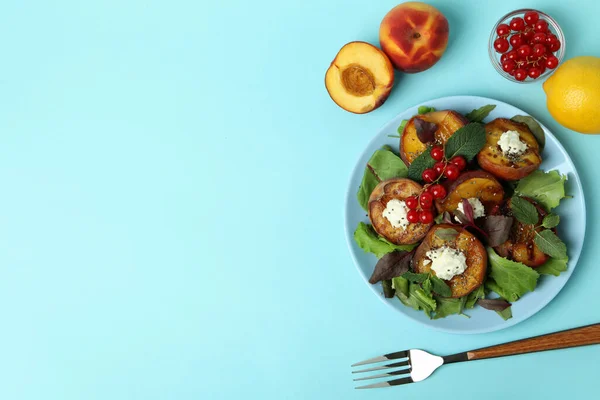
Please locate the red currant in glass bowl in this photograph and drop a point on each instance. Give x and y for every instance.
(536, 45)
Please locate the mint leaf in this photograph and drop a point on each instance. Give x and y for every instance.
(440, 287)
(391, 265)
(475, 295)
(367, 239)
(420, 164)
(512, 277)
(388, 290)
(553, 266)
(524, 211)
(466, 141)
(425, 109)
(506, 314)
(479, 114)
(402, 125)
(551, 221)
(534, 127)
(492, 286)
(445, 307)
(550, 244)
(382, 165)
(547, 188)
(415, 278)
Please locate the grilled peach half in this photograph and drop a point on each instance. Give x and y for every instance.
(491, 158)
(464, 241)
(479, 184)
(520, 245)
(400, 189)
(447, 122)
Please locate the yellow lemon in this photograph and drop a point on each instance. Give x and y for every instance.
(573, 94)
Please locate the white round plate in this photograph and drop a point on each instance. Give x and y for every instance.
(571, 229)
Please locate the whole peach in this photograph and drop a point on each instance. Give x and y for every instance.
(414, 35)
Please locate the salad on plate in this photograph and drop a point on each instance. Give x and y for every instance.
(462, 216)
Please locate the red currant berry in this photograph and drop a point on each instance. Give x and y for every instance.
(534, 72)
(551, 39)
(503, 30)
(539, 37)
(503, 58)
(551, 62)
(509, 65)
(426, 200)
(452, 172)
(528, 35)
(516, 40)
(524, 50)
(531, 17)
(517, 24)
(539, 50)
(429, 175)
(439, 167)
(437, 153)
(520, 74)
(412, 216)
(438, 191)
(512, 55)
(411, 202)
(541, 26)
(554, 46)
(426, 217)
(459, 161)
(542, 67)
(501, 45)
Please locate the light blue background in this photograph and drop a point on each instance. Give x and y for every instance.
(171, 225)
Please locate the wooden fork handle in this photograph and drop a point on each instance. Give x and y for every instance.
(582, 336)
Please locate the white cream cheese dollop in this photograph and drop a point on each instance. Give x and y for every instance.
(476, 205)
(447, 262)
(511, 144)
(395, 211)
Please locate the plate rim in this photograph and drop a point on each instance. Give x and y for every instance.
(513, 321)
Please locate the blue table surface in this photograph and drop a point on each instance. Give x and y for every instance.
(174, 176)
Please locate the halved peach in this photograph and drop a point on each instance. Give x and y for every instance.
(447, 122)
(464, 241)
(479, 184)
(520, 245)
(360, 77)
(400, 189)
(491, 158)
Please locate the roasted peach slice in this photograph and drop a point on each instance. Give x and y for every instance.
(464, 241)
(400, 189)
(520, 245)
(447, 122)
(479, 184)
(491, 158)
(360, 77)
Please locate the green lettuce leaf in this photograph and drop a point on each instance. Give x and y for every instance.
(492, 286)
(475, 295)
(553, 266)
(447, 306)
(367, 239)
(383, 165)
(425, 109)
(513, 278)
(506, 313)
(547, 188)
(411, 295)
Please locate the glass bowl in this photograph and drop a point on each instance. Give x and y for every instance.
(552, 25)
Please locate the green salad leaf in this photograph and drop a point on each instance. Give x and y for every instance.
(416, 278)
(412, 295)
(368, 240)
(388, 290)
(425, 109)
(446, 306)
(383, 165)
(547, 188)
(466, 141)
(506, 314)
(553, 266)
(523, 210)
(479, 114)
(533, 126)
(551, 221)
(550, 244)
(440, 287)
(475, 295)
(402, 125)
(420, 164)
(424, 300)
(512, 278)
(492, 286)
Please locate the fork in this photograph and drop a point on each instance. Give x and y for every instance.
(416, 365)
